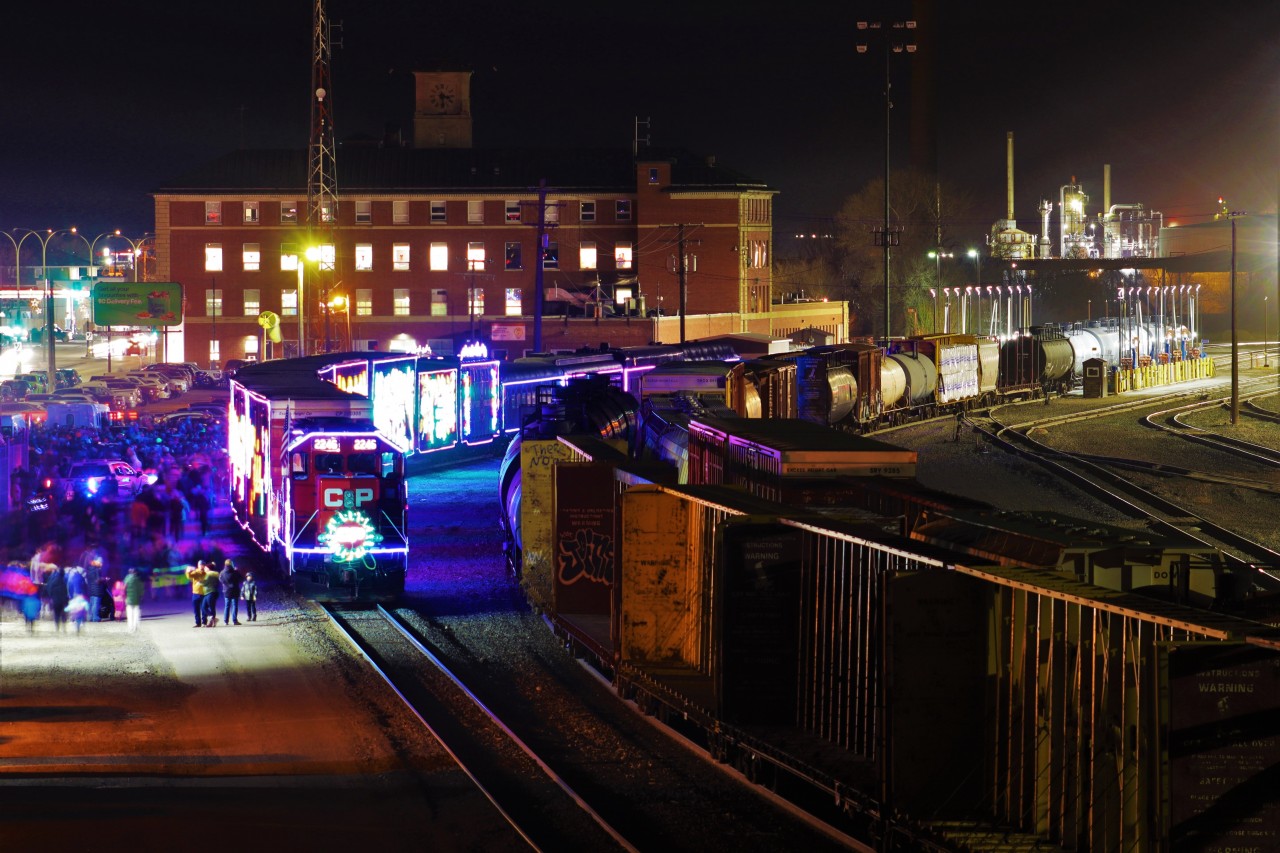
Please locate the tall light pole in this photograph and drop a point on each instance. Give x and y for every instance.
(1266, 353)
(48, 290)
(887, 237)
(938, 255)
(1235, 344)
(977, 258)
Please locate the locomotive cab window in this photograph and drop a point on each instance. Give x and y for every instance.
(363, 463)
(298, 465)
(388, 463)
(328, 463)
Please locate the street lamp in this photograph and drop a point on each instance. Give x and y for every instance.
(938, 255)
(48, 290)
(888, 236)
(339, 303)
(977, 257)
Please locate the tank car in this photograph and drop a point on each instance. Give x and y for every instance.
(1035, 363)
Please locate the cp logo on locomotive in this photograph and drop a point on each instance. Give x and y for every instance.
(338, 498)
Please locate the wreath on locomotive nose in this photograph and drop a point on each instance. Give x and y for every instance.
(349, 533)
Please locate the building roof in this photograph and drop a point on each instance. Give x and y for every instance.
(363, 169)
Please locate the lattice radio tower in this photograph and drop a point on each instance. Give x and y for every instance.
(322, 169)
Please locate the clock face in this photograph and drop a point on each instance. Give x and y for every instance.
(443, 97)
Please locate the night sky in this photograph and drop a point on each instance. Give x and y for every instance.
(104, 102)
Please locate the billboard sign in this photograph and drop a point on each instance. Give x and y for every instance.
(137, 303)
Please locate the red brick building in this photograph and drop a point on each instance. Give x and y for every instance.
(440, 245)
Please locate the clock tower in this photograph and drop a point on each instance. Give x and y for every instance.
(442, 109)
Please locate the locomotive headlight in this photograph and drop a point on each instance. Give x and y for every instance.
(349, 535)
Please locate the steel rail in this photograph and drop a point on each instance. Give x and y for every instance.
(369, 652)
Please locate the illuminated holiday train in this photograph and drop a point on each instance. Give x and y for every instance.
(317, 483)
(431, 404)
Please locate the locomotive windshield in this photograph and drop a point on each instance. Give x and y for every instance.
(363, 463)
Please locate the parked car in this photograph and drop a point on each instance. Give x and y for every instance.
(205, 419)
(14, 389)
(212, 407)
(36, 334)
(149, 388)
(35, 380)
(68, 377)
(102, 478)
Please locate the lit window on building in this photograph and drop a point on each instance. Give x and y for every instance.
(364, 302)
(213, 257)
(289, 303)
(250, 213)
(400, 301)
(288, 257)
(439, 257)
(475, 212)
(213, 213)
(439, 303)
(552, 213)
(252, 301)
(400, 212)
(327, 257)
(289, 211)
(513, 256)
(251, 255)
(215, 352)
(513, 210)
(250, 344)
(622, 255)
(513, 302)
(476, 295)
(400, 257)
(587, 255)
(551, 257)
(364, 257)
(213, 302)
(364, 211)
(475, 257)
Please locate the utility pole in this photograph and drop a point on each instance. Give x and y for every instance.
(682, 270)
(539, 294)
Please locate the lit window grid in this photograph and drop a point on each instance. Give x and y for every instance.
(364, 302)
(213, 257)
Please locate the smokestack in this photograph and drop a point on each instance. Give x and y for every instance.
(1106, 187)
(1009, 169)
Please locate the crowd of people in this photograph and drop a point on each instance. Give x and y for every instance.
(74, 556)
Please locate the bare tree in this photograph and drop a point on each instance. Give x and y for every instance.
(932, 215)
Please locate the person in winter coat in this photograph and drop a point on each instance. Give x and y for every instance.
(249, 592)
(197, 574)
(212, 591)
(133, 588)
(55, 593)
(229, 578)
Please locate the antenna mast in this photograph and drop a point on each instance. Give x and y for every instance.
(322, 169)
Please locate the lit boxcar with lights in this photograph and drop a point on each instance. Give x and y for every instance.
(315, 482)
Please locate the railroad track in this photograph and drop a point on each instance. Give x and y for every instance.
(548, 813)
(1171, 421)
(1094, 476)
(550, 786)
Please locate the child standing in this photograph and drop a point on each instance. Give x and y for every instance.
(78, 611)
(249, 594)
